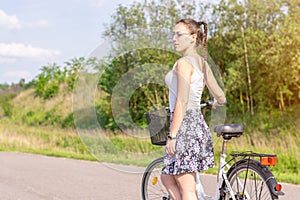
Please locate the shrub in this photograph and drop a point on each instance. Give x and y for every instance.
(68, 122)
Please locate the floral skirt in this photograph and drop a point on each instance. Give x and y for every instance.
(194, 146)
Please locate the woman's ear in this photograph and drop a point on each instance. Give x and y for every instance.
(194, 38)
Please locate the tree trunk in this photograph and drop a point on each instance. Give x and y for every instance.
(248, 71)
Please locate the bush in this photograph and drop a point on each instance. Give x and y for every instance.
(35, 118)
(68, 122)
(7, 105)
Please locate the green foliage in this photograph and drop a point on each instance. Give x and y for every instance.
(104, 114)
(130, 78)
(76, 66)
(271, 35)
(271, 55)
(267, 37)
(40, 117)
(4, 86)
(48, 81)
(7, 105)
(68, 122)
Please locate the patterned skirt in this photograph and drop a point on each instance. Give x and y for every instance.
(194, 146)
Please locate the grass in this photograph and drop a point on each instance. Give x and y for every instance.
(135, 151)
(286, 169)
(41, 140)
(58, 142)
(274, 133)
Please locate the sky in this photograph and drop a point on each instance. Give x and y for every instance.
(35, 33)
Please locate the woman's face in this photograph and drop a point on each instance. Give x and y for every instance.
(182, 38)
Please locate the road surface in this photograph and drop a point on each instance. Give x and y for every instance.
(35, 177)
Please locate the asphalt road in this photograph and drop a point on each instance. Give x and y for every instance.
(35, 177)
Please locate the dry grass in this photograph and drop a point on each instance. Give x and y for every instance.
(41, 140)
(27, 101)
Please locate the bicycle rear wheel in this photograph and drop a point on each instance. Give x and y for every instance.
(249, 181)
(152, 187)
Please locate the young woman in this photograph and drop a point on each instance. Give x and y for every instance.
(189, 146)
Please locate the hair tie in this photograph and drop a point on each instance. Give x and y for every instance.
(202, 23)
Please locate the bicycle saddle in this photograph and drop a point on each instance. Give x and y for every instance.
(229, 130)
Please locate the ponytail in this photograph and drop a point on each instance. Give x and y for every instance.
(202, 37)
(202, 40)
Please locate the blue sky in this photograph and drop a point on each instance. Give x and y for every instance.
(34, 33)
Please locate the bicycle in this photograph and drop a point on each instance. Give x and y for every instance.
(248, 178)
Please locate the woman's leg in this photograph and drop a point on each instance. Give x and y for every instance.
(187, 184)
(172, 186)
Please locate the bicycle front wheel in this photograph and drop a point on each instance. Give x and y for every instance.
(152, 187)
(248, 181)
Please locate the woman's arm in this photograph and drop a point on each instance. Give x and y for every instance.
(213, 86)
(184, 71)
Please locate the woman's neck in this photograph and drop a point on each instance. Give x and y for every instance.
(190, 51)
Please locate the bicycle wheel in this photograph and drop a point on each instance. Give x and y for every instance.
(249, 181)
(152, 187)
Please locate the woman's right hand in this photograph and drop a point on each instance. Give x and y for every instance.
(170, 147)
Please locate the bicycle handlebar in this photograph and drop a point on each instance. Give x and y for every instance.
(207, 104)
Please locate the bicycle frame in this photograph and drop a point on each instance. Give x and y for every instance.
(221, 178)
(232, 180)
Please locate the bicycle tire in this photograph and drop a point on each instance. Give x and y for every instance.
(255, 181)
(152, 187)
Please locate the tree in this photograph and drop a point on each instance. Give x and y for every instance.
(140, 35)
(251, 61)
(48, 81)
(76, 65)
(263, 23)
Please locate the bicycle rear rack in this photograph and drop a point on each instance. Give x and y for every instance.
(265, 159)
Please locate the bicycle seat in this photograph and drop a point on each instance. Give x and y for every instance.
(229, 131)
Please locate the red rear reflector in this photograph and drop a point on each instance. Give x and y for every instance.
(268, 161)
(278, 187)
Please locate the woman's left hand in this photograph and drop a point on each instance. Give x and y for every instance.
(217, 104)
(170, 147)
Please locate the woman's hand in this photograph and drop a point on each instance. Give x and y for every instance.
(217, 104)
(170, 147)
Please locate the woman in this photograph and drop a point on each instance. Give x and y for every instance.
(189, 146)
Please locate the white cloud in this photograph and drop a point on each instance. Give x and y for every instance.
(20, 50)
(11, 22)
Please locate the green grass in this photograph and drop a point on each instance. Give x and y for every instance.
(58, 142)
(41, 140)
(129, 150)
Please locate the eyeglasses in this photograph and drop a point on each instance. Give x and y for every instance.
(178, 34)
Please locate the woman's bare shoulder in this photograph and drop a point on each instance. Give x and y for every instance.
(184, 65)
(184, 61)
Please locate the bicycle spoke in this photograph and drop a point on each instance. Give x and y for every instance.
(153, 188)
(248, 184)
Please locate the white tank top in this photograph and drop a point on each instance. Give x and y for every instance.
(196, 86)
